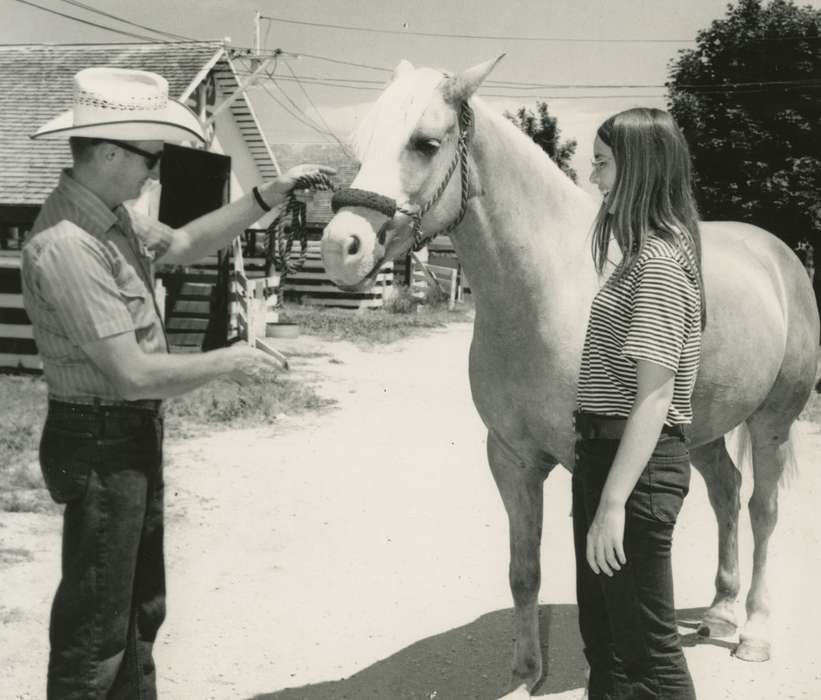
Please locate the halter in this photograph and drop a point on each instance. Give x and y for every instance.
(352, 197)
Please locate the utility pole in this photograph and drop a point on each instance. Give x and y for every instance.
(257, 47)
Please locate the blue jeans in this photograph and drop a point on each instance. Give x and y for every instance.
(628, 621)
(105, 464)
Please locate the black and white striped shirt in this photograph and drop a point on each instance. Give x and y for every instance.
(652, 313)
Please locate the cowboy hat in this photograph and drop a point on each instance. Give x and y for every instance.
(122, 104)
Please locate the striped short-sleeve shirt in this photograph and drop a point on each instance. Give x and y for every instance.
(651, 313)
(87, 275)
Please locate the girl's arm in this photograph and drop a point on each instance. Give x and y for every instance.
(605, 539)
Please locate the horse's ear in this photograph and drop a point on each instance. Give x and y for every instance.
(402, 68)
(460, 87)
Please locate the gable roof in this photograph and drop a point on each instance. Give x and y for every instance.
(36, 85)
(290, 154)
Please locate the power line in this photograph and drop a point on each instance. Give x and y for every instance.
(316, 109)
(302, 116)
(340, 62)
(523, 85)
(405, 32)
(84, 21)
(89, 8)
(299, 115)
(346, 82)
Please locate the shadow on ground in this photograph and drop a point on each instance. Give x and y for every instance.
(466, 663)
(472, 662)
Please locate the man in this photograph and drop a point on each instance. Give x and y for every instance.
(88, 288)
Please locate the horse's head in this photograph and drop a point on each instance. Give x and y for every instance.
(413, 140)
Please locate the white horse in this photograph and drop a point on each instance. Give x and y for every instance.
(521, 230)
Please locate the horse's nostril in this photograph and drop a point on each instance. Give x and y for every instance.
(353, 246)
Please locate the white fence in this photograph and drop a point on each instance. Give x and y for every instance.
(450, 280)
(253, 306)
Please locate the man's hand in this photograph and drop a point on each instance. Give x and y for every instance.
(279, 188)
(250, 365)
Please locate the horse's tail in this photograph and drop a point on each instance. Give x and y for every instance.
(740, 448)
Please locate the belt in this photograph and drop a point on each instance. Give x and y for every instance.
(592, 426)
(94, 404)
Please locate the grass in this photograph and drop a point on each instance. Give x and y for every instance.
(401, 316)
(225, 404)
(220, 405)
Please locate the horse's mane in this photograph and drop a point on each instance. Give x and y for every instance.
(404, 101)
(401, 105)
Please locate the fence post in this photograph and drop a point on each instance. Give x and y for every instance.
(159, 297)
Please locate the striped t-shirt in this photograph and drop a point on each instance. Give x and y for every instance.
(87, 275)
(652, 313)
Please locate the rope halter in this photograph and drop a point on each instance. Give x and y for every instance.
(352, 197)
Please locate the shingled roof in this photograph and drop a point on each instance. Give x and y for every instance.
(36, 84)
(290, 154)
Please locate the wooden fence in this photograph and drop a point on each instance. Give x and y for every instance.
(312, 284)
(450, 280)
(17, 347)
(252, 306)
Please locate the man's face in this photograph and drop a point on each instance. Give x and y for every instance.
(133, 168)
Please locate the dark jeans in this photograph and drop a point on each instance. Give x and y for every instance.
(628, 621)
(105, 464)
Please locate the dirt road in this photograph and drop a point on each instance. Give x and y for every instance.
(362, 553)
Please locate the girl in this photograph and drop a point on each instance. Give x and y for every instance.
(638, 368)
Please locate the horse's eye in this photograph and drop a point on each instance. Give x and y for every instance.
(427, 147)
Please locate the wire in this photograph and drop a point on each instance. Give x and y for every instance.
(316, 109)
(563, 40)
(340, 62)
(290, 113)
(85, 21)
(299, 116)
(521, 85)
(350, 83)
(89, 8)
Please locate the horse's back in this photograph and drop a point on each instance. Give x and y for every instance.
(762, 326)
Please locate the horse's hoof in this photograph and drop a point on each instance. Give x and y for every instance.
(712, 626)
(752, 650)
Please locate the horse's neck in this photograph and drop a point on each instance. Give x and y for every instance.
(525, 242)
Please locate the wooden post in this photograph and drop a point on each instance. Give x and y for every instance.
(452, 295)
(159, 297)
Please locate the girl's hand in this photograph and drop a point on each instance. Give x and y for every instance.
(605, 539)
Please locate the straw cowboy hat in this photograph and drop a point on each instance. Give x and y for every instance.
(126, 105)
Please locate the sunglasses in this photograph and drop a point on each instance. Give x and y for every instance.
(151, 159)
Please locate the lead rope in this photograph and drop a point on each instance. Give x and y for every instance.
(280, 244)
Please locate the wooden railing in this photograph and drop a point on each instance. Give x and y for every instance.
(253, 306)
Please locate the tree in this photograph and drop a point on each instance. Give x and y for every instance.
(748, 99)
(544, 130)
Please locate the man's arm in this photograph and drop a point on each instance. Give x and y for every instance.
(217, 229)
(139, 375)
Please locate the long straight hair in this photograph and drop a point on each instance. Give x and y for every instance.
(652, 192)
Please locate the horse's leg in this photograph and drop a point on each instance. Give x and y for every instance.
(770, 450)
(521, 488)
(723, 484)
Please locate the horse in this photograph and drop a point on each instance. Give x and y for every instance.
(521, 230)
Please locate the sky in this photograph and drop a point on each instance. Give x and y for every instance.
(606, 43)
